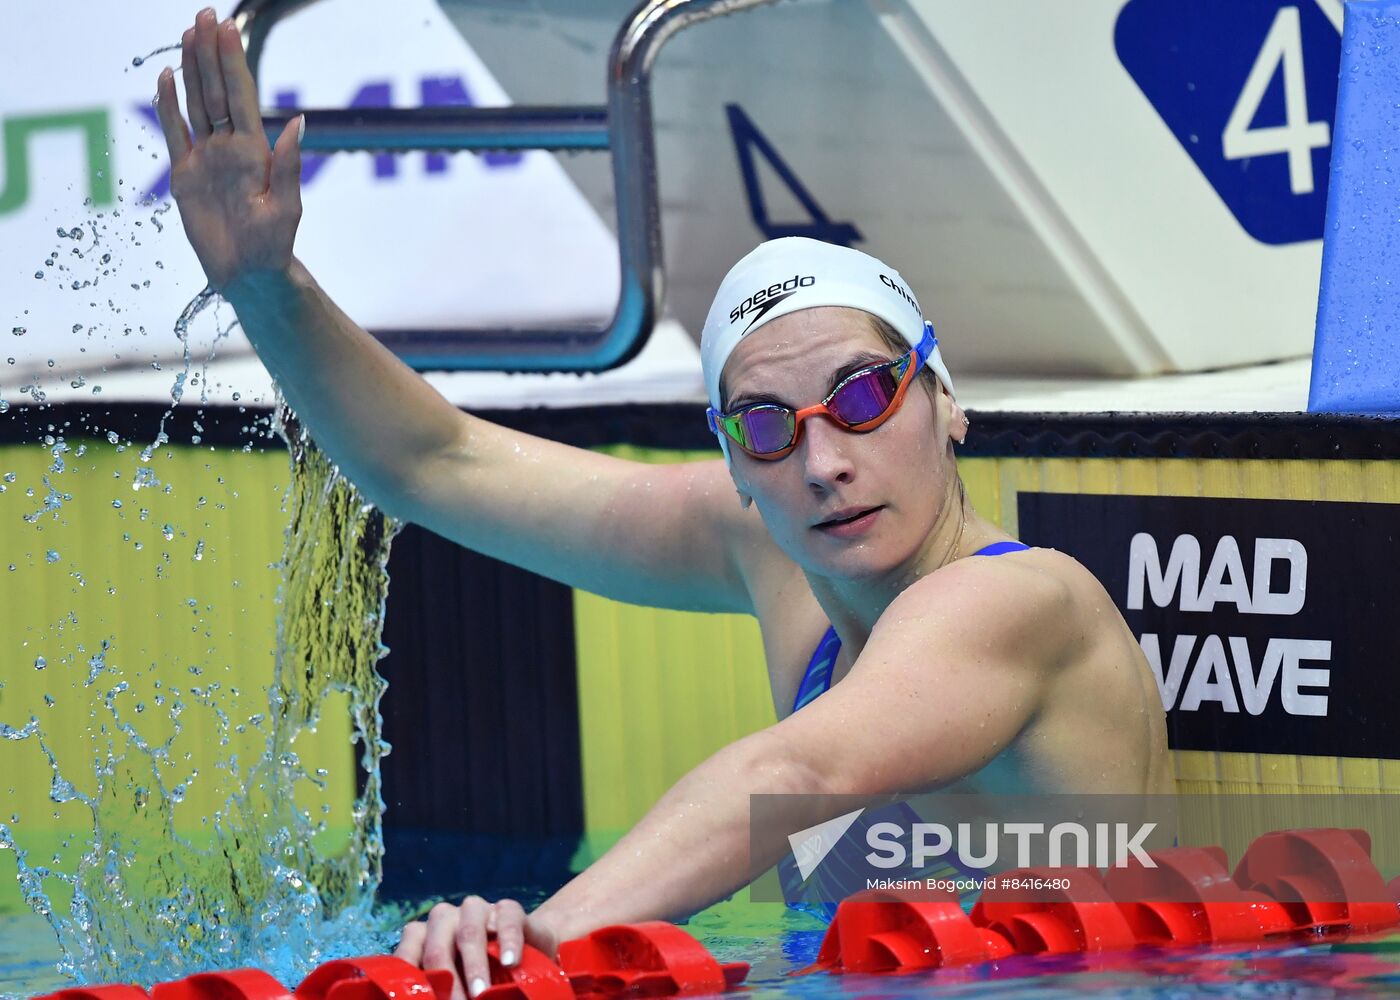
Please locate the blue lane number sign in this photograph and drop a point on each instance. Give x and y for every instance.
(1249, 89)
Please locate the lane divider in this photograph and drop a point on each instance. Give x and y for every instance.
(653, 959)
(1288, 883)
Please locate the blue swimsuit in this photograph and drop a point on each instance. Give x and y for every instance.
(817, 679)
(838, 874)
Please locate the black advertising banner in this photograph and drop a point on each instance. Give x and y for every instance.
(1271, 625)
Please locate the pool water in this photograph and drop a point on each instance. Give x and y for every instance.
(778, 943)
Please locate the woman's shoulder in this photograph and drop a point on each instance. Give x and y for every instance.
(1035, 596)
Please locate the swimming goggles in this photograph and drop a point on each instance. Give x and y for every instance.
(861, 402)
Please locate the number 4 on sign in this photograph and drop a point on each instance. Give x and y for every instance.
(747, 140)
(1298, 137)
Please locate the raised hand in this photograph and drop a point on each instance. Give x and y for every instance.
(240, 203)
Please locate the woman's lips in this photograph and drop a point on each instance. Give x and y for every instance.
(850, 526)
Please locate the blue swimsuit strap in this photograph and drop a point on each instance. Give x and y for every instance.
(817, 677)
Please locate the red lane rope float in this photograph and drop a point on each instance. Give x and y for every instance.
(1081, 917)
(881, 931)
(1289, 882)
(117, 992)
(375, 977)
(1190, 899)
(235, 984)
(1323, 878)
(648, 959)
(534, 977)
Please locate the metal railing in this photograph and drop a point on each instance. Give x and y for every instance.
(624, 127)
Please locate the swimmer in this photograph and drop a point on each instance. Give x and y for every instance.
(948, 656)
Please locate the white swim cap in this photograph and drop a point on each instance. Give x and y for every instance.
(792, 273)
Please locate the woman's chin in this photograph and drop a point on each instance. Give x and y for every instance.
(859, 563)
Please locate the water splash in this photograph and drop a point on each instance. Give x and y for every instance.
(257, 884)
(145, 477)
(139, 61)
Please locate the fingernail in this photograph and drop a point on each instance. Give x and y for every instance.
(507, 957)
(478, 984)
(301, 130)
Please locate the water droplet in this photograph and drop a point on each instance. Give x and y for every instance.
(40, 663)
(51, 556)
(61, 790)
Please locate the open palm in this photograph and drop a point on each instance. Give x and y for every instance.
(239, 201)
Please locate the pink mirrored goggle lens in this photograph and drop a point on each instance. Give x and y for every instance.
(866, 396)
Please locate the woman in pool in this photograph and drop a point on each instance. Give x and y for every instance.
(850, 533)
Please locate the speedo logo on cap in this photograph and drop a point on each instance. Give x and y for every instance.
(766, 298)
(901, 291)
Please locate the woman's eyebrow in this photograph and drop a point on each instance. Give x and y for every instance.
(744, 399)
(862, 360)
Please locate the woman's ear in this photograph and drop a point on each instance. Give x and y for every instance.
(957, 422)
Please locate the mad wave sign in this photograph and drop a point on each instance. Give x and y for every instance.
(1266, 623)
(1248, 88)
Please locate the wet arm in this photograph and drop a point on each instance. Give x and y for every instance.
(663, 535)
(905, 720)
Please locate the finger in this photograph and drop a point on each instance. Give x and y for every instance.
(510, 930)
(471, 944)
(438, 948)
(284, 180)
(194, 90)
(211, 76)
(177, 139)
(238, 81)
(410, 947)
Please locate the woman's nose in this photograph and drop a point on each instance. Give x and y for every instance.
(826, 453)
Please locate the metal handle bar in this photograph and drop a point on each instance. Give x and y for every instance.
(625, 127)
